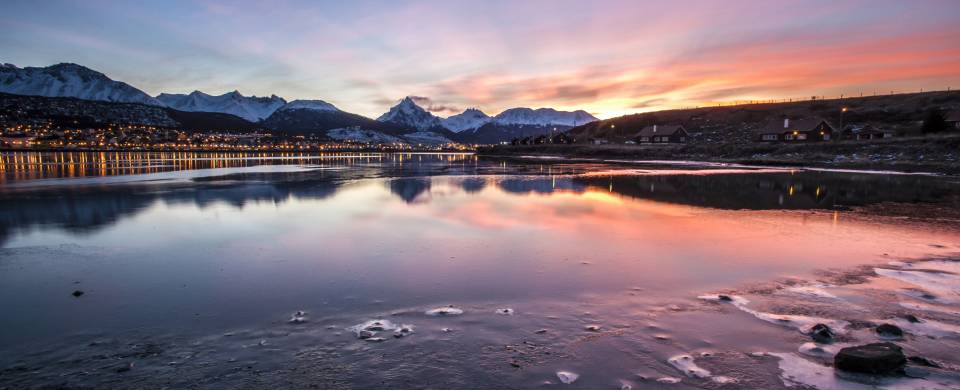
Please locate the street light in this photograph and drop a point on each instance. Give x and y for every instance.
(843, 112)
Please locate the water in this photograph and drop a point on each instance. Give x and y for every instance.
(193, 265)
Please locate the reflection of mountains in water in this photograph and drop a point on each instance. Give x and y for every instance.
(763, 191)
(409, 189)
(82, 209)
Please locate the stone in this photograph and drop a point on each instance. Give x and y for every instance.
(77, 293)
(876, 358)
(567, 377)
(822, 334)
(912, 318)
(922, 361)
(889, 331)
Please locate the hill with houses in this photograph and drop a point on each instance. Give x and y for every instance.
(899, 115)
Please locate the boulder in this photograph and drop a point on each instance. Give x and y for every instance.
(889, 331)
(822, 334)
(876, 358)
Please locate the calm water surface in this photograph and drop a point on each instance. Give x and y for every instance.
(192, 264)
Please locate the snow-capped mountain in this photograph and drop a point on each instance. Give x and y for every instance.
(316, 105)
(408, 113)
(356, 134)
(543, 117)
(474, 126)
(251, 108)
(471, 118)
(69, 80)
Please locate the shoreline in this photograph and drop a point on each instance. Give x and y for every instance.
(935, 155)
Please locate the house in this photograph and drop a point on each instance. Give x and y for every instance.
(802, 130)
(953, 119)
(865, 133)
(662, 134)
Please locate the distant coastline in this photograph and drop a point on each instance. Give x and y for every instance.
(935, 153)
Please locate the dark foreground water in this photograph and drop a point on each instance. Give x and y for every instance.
(240, 271)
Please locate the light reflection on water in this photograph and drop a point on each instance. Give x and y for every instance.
(395, 232)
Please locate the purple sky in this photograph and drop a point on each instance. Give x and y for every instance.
(607, 57)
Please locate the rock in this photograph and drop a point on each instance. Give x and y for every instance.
(365, 334)
(592, 328)
(912, 318)
(125, 367)
(876, 358)
(567, 377)
(822, 334)
(505, 312)
(922, 361)
(77, 293)
(725, 298)
(668, 380)
(298, 318)
(375, 339)
(889, 331)
(404, 330)
(515, 364)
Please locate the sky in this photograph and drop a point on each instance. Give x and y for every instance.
(609, 58)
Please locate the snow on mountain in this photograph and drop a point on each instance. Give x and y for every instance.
(69, 80)
(469, 119)
(408, 113)
(543, 117)
(357, 134)
(424, 137)
(317, 105)
(251, 108)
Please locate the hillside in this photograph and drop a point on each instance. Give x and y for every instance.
(74, 112)
(902, 113)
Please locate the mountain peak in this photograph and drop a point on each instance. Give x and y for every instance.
(250, 108)
(469, 119)
(69, 80)
(408, 113)
(316, 105)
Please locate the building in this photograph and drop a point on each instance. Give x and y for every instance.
(656, 134)
(802, 130)
(865, 133)
(953, 119)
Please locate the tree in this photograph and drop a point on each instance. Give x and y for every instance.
(935, 122)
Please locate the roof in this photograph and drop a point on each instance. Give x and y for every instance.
(660, 130)
(776, 126)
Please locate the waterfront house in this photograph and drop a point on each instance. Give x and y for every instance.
(800, 130)
(868, 132)
(953, 119)
(657, 134)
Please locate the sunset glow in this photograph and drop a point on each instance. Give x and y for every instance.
(609, 58)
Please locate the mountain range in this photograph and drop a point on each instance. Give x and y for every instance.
(406, 121)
